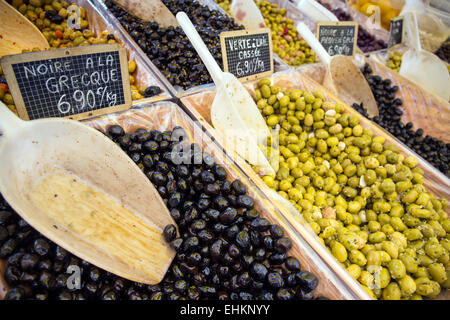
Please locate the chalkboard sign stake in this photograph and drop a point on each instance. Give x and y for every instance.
(247, 54)
(73, 83)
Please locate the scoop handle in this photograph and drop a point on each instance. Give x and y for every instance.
(314, 43)
(413, 30)
(9, 122)
(211, 64)
(315, 11)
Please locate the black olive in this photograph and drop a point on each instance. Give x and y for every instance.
(3, 234)
(244, 279)
(220, 172)
(150, 146)
(12, 275)
(47, 280)
(277, 258)
(221, 203)
(284, 294)
(15, 293)
(175, 214)
(259, 271)
(245, 201)
(217, 248)
(177, 244)
(57, 19)
(174, 200)
(190, 244)
(152, 91)
(276, 231)
(8, 248)
(205, 236)
(207, 177)
(228, 216)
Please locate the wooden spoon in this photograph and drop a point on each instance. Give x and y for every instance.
(17, 33)
(80, 190)
(234, 114)
(342, 76)
(149, 10)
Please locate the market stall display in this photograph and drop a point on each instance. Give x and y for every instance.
(303, 177)
(227, 228)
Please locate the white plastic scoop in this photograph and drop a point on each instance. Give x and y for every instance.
(423, 67)
(247, 13)
(234, 114)
(149, 10)
(80, 190)
(342, 76)
(315, 11)
(17, 33)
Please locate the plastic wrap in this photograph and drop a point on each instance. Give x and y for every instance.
(144, 75)
(164, 116)
(199, 107)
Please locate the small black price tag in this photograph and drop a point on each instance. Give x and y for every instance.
(338, 37)
(396, 32)
(73, 83)
(247, 54)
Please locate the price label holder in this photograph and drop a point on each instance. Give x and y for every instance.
(247, 54)
(74, 83)
(396, 32)
(338, 37)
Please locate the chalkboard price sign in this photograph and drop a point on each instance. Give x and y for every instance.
(74, 83)
(247, 53)
(338, 37)
(396, 32)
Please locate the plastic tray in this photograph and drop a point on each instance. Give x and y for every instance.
(292, 12)
(164, 116)
(198, 106)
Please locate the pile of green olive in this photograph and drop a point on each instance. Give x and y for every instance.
(363, 199)
(287, 43)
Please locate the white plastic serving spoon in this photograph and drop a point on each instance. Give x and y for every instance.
(315, 11)
(342, 76)
(423, 67)
(70, 153)
(234, 114)
(247, 13)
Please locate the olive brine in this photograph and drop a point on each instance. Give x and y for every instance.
(225, 249)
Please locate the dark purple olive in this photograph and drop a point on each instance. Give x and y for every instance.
(170, 233)
(260, 224)
(275, 280)
(306, 280)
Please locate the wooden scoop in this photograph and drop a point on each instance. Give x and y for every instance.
(17, 33)
(234, 114)
(423, 67)
(149, 10)
(80, 190)
(342, 76)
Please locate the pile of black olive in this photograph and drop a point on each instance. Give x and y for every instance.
(169, 49)
(225, 250)
(366, 42)
(444, 51)
(435, 151)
